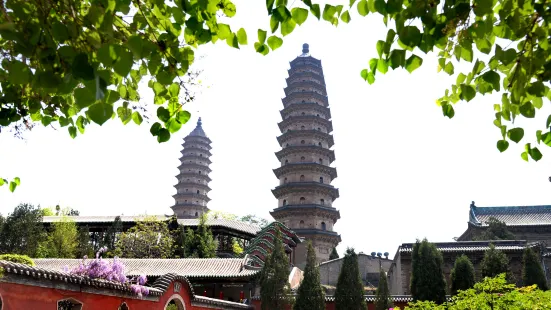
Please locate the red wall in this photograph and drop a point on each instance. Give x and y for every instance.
(18, 296)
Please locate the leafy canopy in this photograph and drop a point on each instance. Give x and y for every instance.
(150, 238)
(507, 42)
(493, 294)
(462, 274)
(427, 279)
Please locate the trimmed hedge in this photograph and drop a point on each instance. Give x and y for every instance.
(16, 258)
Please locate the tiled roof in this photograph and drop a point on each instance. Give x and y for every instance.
(511, 216)
(474, 246)
(224, 223)
(187, 267)
(39, 272)
(262, 243)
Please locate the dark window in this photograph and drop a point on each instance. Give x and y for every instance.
(201, 155)
(302, 127)
(322, 202)
(287, 145)
(301, 225)
(302, 178)
(186, 189)
(319, 129)
(319, 143)
(320, 161)
(302, 200)
(199, 171)
(69, 304)
(123, 306)
(323, 227)
(303, 113)
(286, 161)
(302, 142)
(285, 180)
(303, 101)
(198, 190)
(317, 115)
(321, 179)
(284, 202)
(303, 158)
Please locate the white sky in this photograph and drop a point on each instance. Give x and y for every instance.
(404, 170)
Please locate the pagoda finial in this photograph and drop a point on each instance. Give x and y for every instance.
(199, 123)
(305, 50)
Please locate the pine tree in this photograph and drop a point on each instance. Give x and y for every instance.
(349, 294)
(427, 279)
(111, 236)
(382, 299)
(310, 295)
(494, 263)
(462, 275)
(532, 272)
(84, 247)
(275, 293)
(334, 254)
(200, 243)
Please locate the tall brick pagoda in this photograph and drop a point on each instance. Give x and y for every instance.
(192, 188)
(305, 194)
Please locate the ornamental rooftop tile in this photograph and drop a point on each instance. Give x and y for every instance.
(186, 267)
(511, 216)
(475, 246)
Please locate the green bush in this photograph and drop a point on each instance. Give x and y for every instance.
(495, 294)
(16, 258)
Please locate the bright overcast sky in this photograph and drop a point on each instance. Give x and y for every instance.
(404, 170)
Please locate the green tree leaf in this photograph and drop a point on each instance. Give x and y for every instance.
(316, 11)
(345, 17)
(72, 131)
(262, 35)
(163, 114)
(516, 134)
(81, 68)
(183, 117)
(19, 73)
(493, 78)
(242, 36)
(502, 145)
(163, 135)
(467, 92)
(413, 62)
(274, 42)
(287, 27)
(100, 112)
(363, 8)
(299, 15)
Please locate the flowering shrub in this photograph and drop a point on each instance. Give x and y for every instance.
(111, 271)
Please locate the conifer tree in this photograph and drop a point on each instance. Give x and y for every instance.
(494, 263)
(532, 272)
(334, 254)
(200, 243)
(427, 279)
(310, 295)
(275, 293)
(349, 294)
(462, 275)
(382, 299)
(84, 247)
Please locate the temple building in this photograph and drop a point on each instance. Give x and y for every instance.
(305, 194)
(192, 188)
(531, 223)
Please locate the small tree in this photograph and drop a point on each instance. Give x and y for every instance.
(310, 295)
(383, 300)
(494, 263)
(462, 275)
(496, 230)
(532, 272)
(275, 293)
(22, 231)
(349, 294)
(334, 254)
(62, 240)
(150, 238)
(427, 279)
(200, 243)
(84, 247)
(112, 234)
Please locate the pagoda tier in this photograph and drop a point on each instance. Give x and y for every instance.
(191, 191)
(305, 194)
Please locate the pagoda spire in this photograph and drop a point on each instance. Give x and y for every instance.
(305, 194)
(192, 188)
